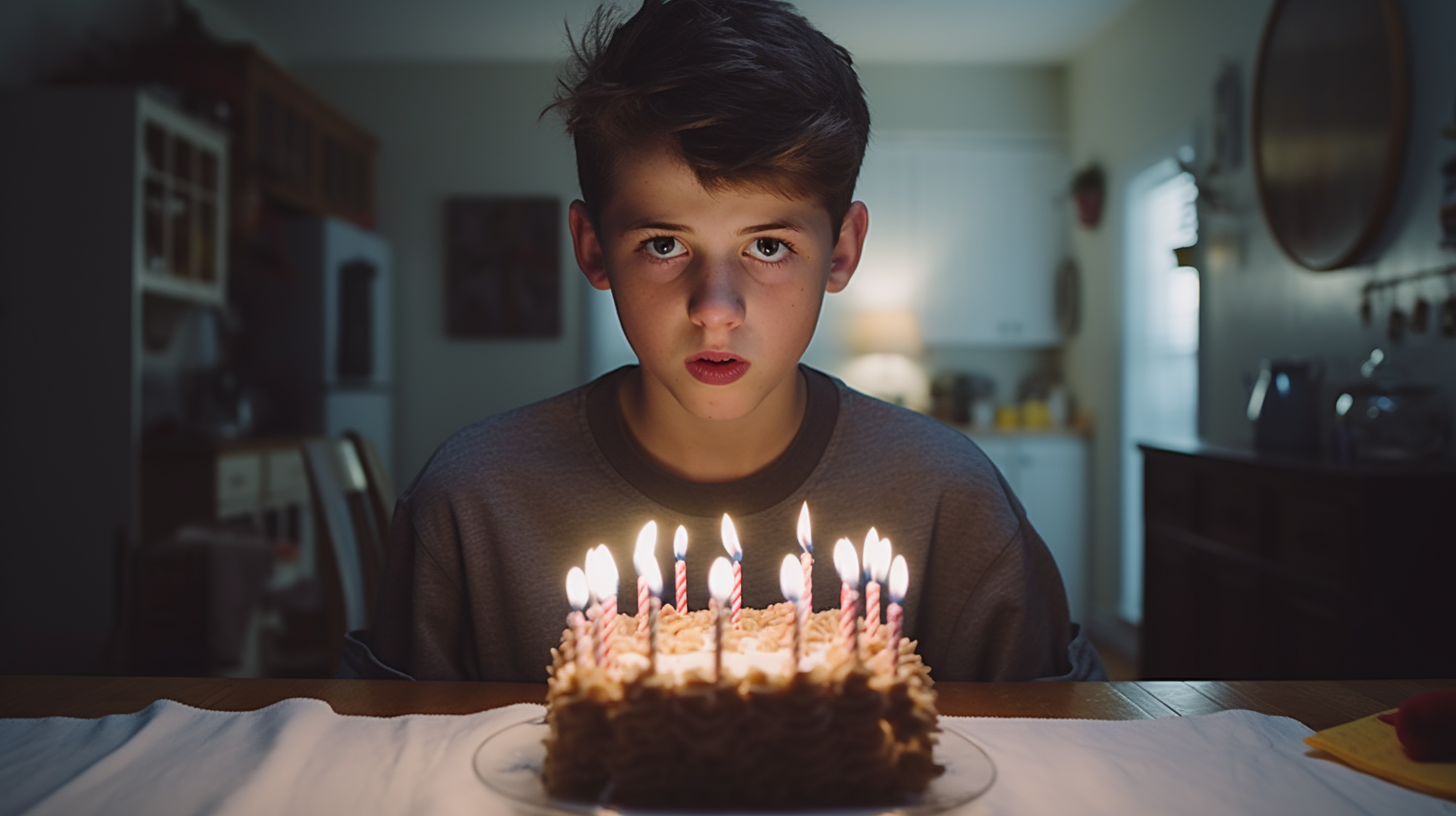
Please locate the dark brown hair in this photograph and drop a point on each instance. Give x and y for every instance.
(747, 92)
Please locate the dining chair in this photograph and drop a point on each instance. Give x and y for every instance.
(380, 493)
(349, 553)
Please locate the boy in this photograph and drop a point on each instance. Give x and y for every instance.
(717, 148)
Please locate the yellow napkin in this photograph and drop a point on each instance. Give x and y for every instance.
(1371, 746)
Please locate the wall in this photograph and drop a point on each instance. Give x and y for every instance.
(1143, 88)
(449, 129)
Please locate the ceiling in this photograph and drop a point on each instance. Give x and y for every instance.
(914, 31)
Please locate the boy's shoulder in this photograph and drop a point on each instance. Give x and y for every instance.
(542, 436)
(871, 422)
(908, 448)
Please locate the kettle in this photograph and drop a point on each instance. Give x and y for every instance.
(1284, 407)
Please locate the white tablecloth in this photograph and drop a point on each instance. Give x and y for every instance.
(299, 757)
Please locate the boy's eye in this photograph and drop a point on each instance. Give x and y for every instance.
(769, 249)
(663, 247)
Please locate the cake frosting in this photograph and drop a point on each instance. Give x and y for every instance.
(664, 730)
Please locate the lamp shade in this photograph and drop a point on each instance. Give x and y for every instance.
(891, 331)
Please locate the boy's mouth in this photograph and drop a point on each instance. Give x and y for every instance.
(716, 367)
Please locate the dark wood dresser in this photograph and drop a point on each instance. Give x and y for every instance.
(1276, 568)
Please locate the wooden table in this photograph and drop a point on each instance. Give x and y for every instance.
(1318, 704)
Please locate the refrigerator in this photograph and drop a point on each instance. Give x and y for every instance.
(318, 344)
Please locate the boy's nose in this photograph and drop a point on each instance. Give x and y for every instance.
(716, 301)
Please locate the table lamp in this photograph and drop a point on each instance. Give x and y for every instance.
(887, 347)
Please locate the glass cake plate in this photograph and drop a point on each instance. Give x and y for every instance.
(509, 762)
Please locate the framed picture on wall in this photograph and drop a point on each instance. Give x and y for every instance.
(502, 267)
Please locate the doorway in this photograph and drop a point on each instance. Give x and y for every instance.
(1160, 344)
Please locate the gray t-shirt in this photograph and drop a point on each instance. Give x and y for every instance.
(474, 581)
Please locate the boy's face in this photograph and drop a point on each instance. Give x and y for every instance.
(718, 292)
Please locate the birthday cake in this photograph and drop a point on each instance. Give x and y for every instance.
(671, 721)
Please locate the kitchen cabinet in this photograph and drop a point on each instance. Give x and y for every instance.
(112, 215)
(1048, 473)
(1281, 568)
(291, 147)
(968, 232)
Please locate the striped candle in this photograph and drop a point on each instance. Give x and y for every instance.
(601, 575)
(899, 583)
(847, 565)
(680, 567)
(877, 569)
(791, 582)
(579, 596)
(735, 552)
(644, 558)
(806, 559)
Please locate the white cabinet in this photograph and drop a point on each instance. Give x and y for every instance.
(1048, 473)
(112, 214)
(968, 232)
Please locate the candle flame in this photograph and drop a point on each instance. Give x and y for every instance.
(576, 591)
(730, 539)
(653, 574)
(805, 539)
(720, 580)
(601, 572)
(871, 550)
(646, 541)
(899, 579)
(880, 563)
(680, 543)
(791, 579)
(646, 551)
(846, 562)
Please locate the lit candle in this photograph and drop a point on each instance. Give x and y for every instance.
(579, 596)
(791, 582)
(876, 569)
(846, 563)
(899, 581)
(680, 567)
(735, 551)
(720, 586)
(601, 576)
(806, 559)
(644, 554)
(654, 586)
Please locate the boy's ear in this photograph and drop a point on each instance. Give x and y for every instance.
(849, 247)
(589, 254)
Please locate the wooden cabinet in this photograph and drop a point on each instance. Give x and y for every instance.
(1257, 567)
(968, 232)
(112, 209)
(291, 146)
(1048, 473)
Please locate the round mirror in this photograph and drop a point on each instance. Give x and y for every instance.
(1331, 101)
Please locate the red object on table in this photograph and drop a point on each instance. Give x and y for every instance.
(1426, 726)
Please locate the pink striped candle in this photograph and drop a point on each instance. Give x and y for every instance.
(735, 551)
(644, 558)
(720, 585)
(601, 576)
(680, 567)
(579, 596)
(609, 627)
(654, 587)
(899, 582)
(877, 570)
(791, 583)
(806, 559)
(872, 609)
(847, 565)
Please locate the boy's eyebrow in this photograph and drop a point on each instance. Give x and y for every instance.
(664, 226)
